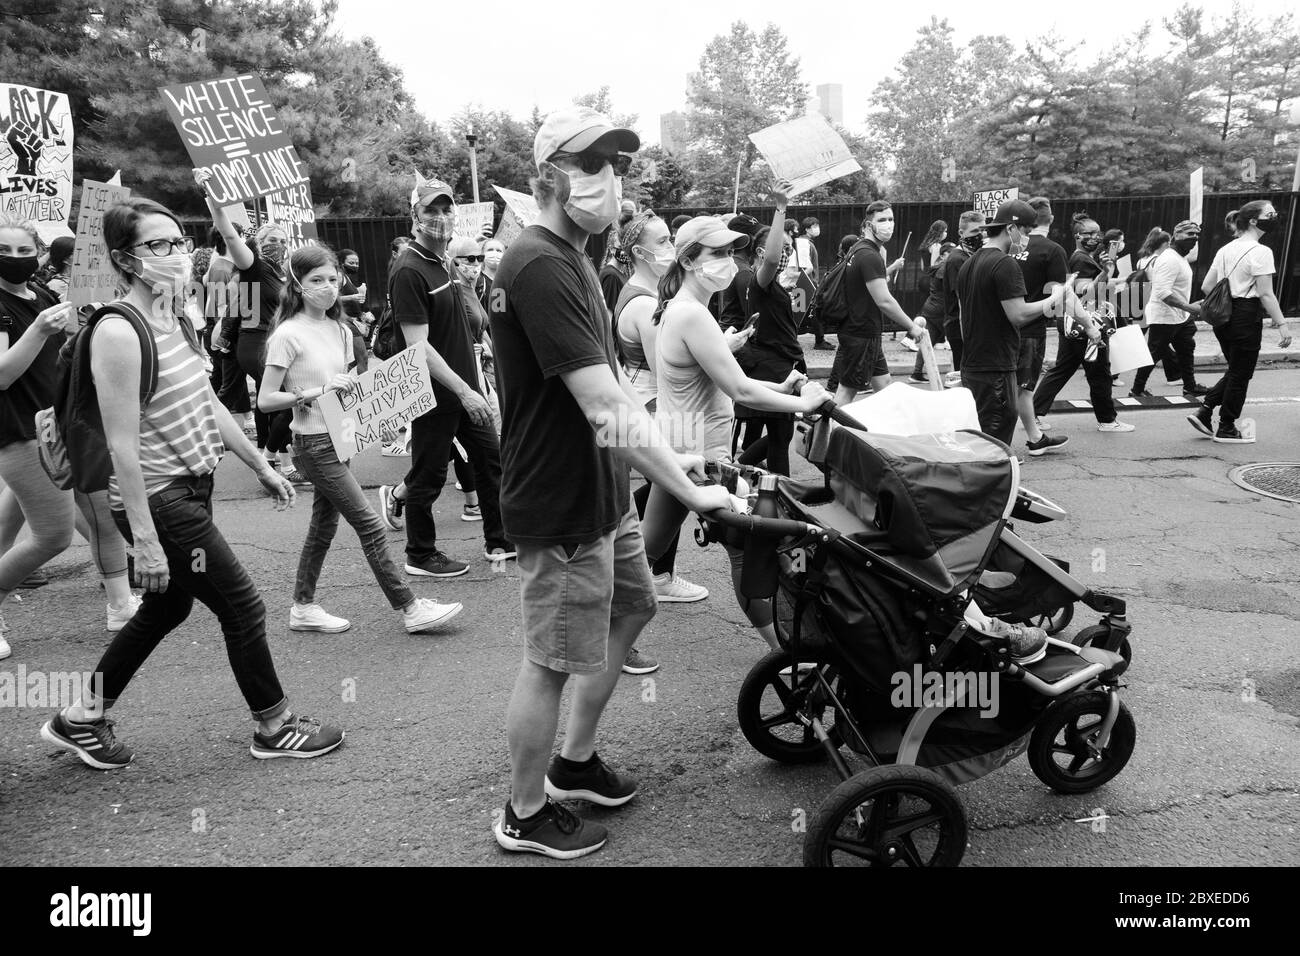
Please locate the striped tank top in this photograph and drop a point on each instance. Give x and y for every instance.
(178, 428)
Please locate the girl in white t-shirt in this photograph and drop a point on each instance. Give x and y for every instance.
(1249, 268)
(308, 353)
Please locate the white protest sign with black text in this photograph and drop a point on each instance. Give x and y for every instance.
(292, 209)
(93, 278)
(36, 157)
(384, 399)
(806, 151)
(988, 200)
(1196, 186)
(473, 217)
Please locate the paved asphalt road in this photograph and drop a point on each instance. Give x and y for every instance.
(1209, 569)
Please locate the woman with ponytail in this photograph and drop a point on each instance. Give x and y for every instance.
(698, 379)
(308, 354)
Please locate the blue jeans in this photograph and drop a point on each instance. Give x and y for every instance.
(337, 492)
(203, 566)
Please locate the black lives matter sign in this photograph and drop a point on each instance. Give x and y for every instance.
(230, 129)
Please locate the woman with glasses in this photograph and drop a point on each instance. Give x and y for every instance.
(164, 453)
(1248, 266)
(32, 330)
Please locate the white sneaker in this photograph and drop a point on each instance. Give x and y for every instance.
(313, 617)
(425, 615)
(116, 618)
(952, 379)
(910, 345)
(1043, 424)
(5, 649)
(805, 667)
(1116, 426)
(396, 449)
(674, 590)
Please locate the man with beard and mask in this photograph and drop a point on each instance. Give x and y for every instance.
(970, 236)
(1042, 263)
(1091, 264)
(860, 359)
(1170, 313)
(571, 425)
(428, 309)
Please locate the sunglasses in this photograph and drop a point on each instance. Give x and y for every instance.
(592, 163)
(468, 259)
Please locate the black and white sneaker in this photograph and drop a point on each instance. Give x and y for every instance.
(437, 566)
(1045, 444)
(1231, 435)
(94, 742)
(593, 782)
(300, 737)
(1203, 421)
(552, 831)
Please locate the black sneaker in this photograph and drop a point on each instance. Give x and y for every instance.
(94, 742)
(552, 831)
(300, 737)
(1231, 435)
(823, 346)
(438, 566)
(1134, 393)
(595, 783)
(1045, 444)
(918, 380)
(1196, 391)
(1203, 421)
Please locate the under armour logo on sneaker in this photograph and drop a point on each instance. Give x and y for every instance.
(511, 831)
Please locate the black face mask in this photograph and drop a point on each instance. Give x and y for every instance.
(1266, 225)
(1091, 244)
(1184, 246)
(973, 243)
(352, 270)
(17, 269)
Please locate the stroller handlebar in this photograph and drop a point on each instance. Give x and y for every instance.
(764, 527)
(839, 416)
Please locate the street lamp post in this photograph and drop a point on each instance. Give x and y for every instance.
(472, 140)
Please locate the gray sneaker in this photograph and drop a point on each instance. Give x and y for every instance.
(638, 663)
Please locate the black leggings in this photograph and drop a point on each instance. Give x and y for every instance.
(665, 563)
(273, 432)
(774, 447)
(464, 471)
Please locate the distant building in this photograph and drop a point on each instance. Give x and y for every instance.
(672, 132)
(830, 101)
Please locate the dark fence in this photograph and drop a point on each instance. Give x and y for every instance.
(370, 238)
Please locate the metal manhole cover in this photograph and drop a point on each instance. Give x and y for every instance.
(1273, 479)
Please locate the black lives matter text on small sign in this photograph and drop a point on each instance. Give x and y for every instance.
(230, 128)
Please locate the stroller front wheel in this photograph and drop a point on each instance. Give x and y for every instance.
(772, 697)
(1063, 749)
(900, 814)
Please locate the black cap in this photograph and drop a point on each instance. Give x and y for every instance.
(742, 222)
(1014, 212)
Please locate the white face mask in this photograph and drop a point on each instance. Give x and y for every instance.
(658, 264)
(322, 298)
(884, 231)
(594, 199)
(166, 275)
(716, 274)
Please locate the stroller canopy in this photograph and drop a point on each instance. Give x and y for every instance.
(931, 504)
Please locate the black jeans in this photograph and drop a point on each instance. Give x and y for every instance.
(1069, 356)
(773, 448)
(273, 428)
(431, 437)
(995, 402)
(1240, 340)
(202, 566)
(952, 330)
(1170, 341)
(668, 560)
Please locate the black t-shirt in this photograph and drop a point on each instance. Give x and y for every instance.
(865, 319)
(421, 292)
(774, 346)
(558, 483)
(34, 389)
(990, 343)
(259, 294)
(1041, 262)
(352, 310)
(935, 301)
(1084, 264)
(734, 310)
(952, 308)
(612, 281)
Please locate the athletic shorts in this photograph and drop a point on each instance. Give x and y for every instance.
(1029, 364)
(857, 361)
(570, 592)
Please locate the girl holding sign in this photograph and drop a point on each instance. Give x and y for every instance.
(308, 354)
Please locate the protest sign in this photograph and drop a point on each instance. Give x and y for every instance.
(522, 205)
(806, 151)
(293, 210)
(1197, 189)
(384, 399)
(229, 128)
(93, 278)
(509, 228)
(36, 158)
(988, 200)
(238, 214)
(473, 217)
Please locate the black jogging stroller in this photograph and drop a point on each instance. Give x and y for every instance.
(900, 592)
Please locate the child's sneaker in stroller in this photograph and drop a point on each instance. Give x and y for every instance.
(1028, 644)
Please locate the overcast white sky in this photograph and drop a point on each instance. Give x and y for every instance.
(513, 53)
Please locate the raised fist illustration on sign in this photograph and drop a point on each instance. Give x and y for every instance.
(24, 143)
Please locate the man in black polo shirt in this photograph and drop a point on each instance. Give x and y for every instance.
(993, 310)
(1042, 263)
(427, 308)
(970, 236)
(860, 359)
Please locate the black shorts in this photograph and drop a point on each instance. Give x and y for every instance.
(1029, 364)
(857, 361)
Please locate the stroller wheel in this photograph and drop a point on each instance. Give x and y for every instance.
(768, 704)
(1062, 749)
(888, 815)
(1054, 622)
(1095, 633)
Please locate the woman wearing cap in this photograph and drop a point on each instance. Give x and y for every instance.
(698, 378)
(1249, 268)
